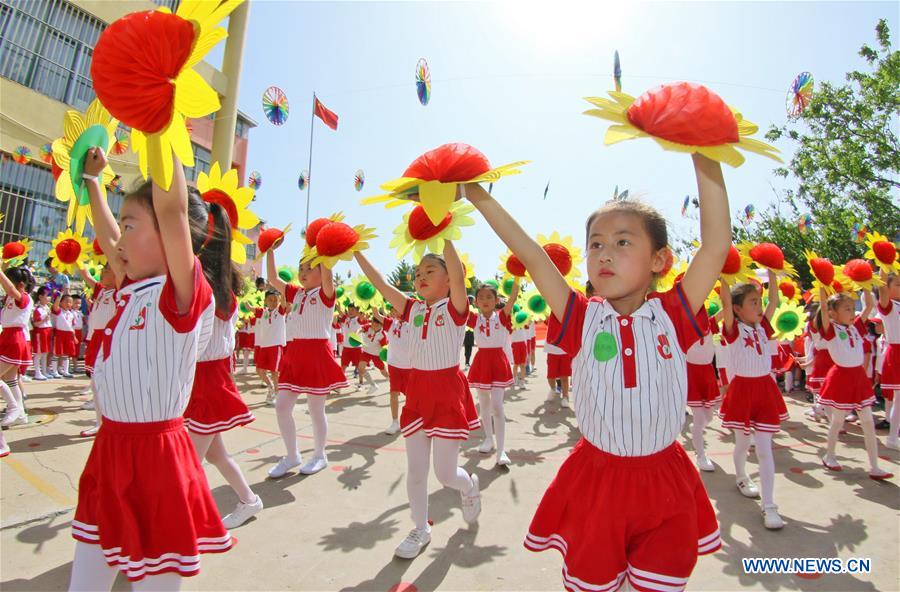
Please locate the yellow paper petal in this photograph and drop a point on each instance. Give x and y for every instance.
(229, 182)
(204, 44)
(73, 126)
(177, 135)
(436, 198)
(620, 133)
(238, 253)
(194, 97)
(247, 219)
(159, 156)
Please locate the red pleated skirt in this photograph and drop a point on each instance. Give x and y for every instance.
(308, 367)
(847, 389)
(215, 404)
(490, 369)
(753, 403)
(14, 348)
(439, 402)
(703, 390)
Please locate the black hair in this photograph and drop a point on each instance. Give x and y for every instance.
(489, 287)
(741, 291)
(272, 293)
(21, 275)
(41, 291)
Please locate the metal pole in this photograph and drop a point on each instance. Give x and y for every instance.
(312, 126)
(226, 118)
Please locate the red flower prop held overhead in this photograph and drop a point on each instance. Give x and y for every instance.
(860, 273)
(771, 257)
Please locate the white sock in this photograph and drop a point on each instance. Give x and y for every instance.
(894, 430)
(64, 363)
(867, 423)
(37, 364)
(766, 461)
(53, 364)
(316, 406)
(499, 417)
(484, 408)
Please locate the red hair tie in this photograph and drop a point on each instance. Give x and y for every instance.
(209, 232)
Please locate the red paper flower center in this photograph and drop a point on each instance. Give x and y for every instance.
(313, 229)
(449, 163)
(768, 255)
(822, 269)
(787, 290)
(515, 267)
(134, 64)
(96, 246)
(858, 270)
(13, 249)
(268, 238)
(560, 256)
(885, 252)
(732, 261)
(838, 286)
(68, 250)
(421, 228)
(335, 238)
(217, 196)
(684, 113)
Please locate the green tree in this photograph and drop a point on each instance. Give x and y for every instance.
(403, 276)
(845, 164)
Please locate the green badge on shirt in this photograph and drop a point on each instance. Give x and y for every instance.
(605, 347)
(418, 320)
(842, 335)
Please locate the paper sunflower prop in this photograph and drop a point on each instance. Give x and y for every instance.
(143, 72)
(713, 304)
(363, 294)
(842, 283)
(770, 256)
(468, 268)
(70, 251)
(788, 321)
(417, 234)
(683, 117)
(271, 238)
(736, 269)
(823, 272)
(789, 290)
(859, 272)
(216, 188)
(520, 319)
(676, 272)
(882, 252)
(287, 274)
(432, 178)
(96, 128)
(97, 255)
(535, 305)
(15, 252)
(337, 241)
(506, 286)
(312, 231)
(510, 265)
(563, 252)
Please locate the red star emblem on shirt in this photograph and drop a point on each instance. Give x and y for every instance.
(748, 342)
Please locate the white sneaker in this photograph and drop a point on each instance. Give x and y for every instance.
(471, 502)
(314, 466)
(393, 429)
(771, 519)
(14, 417)
(503, 459)
(242, 512)
(4, 450)
(892, 444)
(270, 398)
(54, 375)
(486, 447)
(413, 544)
(564, 402)
(373, 388)
(704, 464)
(25, 378)
(748, 488)
(67, 375)
(283, 466)
(551, 396)
(89, 432)
(39, 376)
(88, 405)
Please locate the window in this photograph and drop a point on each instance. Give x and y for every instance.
(202, 163)
(170, 4)
(48, 46)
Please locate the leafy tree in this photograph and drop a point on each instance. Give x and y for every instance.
(403, 276)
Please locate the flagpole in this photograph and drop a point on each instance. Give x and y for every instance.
(312, 126)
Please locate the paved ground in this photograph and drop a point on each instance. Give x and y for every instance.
(337, 530)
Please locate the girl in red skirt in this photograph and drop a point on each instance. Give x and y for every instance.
(270, 342)
(14, 350)
(753, 404)
(246, 341)
(627, 504)
(308, 365)
(63, 318)
(41, 333)
(847, 388)
(215, 405)
(703, 391)
(820, 361)
(439, 413)
(490, 373)
(398, 360)
(351, 354)
(559, 364)
(373, 339)
(889, 309)
(144, 505)
(519, 340)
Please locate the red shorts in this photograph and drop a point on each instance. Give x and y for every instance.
(215, 405)
(703, 390)
(439, 402)
(890, 375)
(40, 339)
(559, 366)
(753, 403)
(847, 389)
(14, 348)
(645, 518)
(308, 366)
(490, 369)
(63, 343)
(143, 497)
(372, 360)
(398, 378)
(268, 358)
(246, 340)
(351, 356)
(520, 352)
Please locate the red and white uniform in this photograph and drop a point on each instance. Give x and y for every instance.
(78, 325)
(438, 399)
(753, 401)
(103, 310)
(559, 363)
(846, 385)
(703, 390)
(372, 342)
(143, 496)
(532, 337)
(351, 354)
(270, 339)
(519, 346)
(14, 348)
(42, 329)
(216, 405)
(308, 365)
(822, 361)
(627, 502)
(63, 332)
(890, 364)
(490, 369)
(399, 357)
(246, 335)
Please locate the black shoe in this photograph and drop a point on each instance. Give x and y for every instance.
(809, 398)
(883, 425)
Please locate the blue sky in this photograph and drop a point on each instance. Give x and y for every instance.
(509, 79)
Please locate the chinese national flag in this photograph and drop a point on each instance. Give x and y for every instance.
(329, 118)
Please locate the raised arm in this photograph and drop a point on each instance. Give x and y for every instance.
(884, 293)
(727, 308)
(459, 298)
(389, 292)
(272, 273)
(511, 301)
(546, 277)
(90, 282)
(823, 311)
(868, 305)
(102, 218)
(715, 233)
(11, 290)
(774, 295)
(327, 282)
(170, 207)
